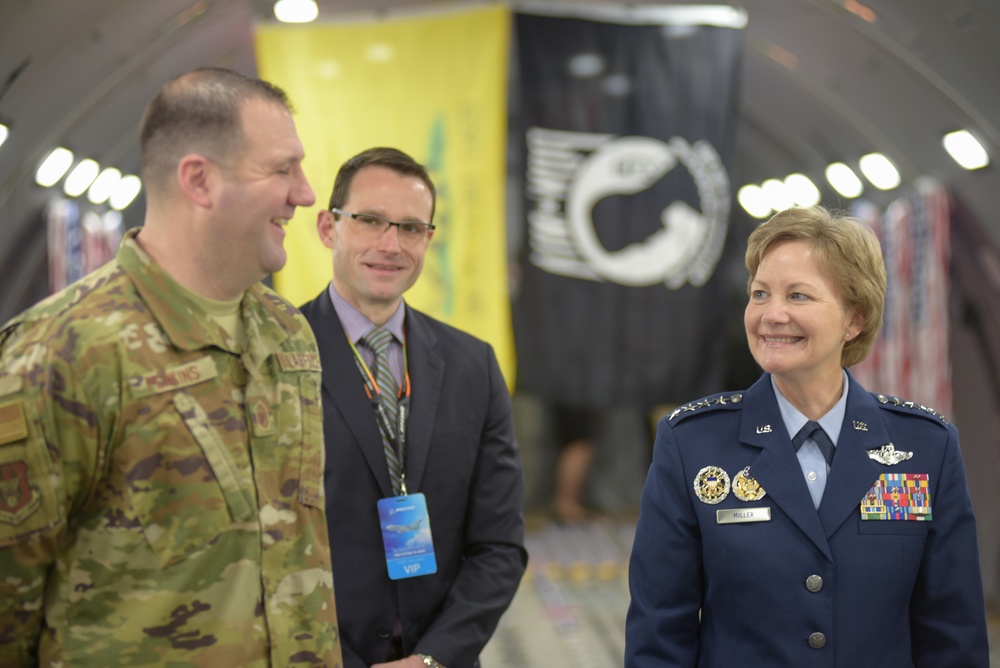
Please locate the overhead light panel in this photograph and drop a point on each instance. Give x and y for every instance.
(879, 171)
(843, 179)
(55, 165)
(296, 11)
(4, 133)
(802, 190)
(126, 191)
(961, 146)
(104, 185)
(81, 177)
(777, 195)
(753, 200)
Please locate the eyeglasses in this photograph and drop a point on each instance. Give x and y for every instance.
(374, 226)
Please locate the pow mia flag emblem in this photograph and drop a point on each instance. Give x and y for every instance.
(570, 172)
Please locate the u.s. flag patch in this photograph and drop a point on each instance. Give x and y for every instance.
(898, 496)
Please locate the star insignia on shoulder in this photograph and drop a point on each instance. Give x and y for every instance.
(720, 400)
(912, 405)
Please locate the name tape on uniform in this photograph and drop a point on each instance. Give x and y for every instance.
(173, 378)
(299, 361)
(741, 515)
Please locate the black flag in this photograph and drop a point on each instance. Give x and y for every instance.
(627, 132)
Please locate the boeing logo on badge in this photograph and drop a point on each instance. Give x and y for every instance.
(570, 172)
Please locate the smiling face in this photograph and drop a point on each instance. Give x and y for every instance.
(261, 187)
(795, 320)
(373, 273)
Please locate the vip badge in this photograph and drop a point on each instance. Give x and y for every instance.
(711, 485)
(746, 488)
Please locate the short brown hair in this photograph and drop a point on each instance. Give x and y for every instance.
(380, 156)
(198, 112)
(847, 250)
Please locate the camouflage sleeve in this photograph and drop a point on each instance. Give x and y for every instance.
(47, 446)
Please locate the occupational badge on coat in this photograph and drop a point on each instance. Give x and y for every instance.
(898, 496)
(711, 485)
(889, 455)
(746, 488)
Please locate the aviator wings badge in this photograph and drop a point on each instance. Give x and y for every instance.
(889, 455)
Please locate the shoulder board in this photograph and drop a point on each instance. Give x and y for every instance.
(913, 407)
(709, 403)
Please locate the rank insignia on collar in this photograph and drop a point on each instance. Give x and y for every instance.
(746, 488)
(711, 485)
(888, 455)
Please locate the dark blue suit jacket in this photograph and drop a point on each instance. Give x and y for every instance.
(461, 453)
(892, 593)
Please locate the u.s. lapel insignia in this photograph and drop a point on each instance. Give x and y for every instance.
(860, 426)
(764, 429)
(746, 488)
(889, 455)
(711, 485)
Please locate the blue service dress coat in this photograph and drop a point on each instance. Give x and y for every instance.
(818, 588)
(462, 454)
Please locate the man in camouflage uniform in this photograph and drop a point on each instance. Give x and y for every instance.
(161, 450)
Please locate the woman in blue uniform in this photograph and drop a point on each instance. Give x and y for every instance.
(806, 521)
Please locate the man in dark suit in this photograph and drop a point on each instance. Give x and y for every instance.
(444, 430)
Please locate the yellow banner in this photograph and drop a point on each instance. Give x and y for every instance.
(434, 86)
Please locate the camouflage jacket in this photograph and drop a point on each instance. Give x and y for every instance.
(161, 498)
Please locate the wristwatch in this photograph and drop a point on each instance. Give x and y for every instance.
(430, 661)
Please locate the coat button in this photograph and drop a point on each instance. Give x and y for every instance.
(817, 640)
(814, 583)
(383, 632)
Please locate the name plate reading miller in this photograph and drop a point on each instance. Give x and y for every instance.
(739, 515)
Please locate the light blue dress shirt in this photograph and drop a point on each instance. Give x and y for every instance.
(814, 466)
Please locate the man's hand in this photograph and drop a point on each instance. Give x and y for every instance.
(412, 661)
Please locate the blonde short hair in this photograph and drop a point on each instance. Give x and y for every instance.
(848, 252)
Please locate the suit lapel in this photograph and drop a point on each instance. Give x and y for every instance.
(427, 375)
(777, 468)
(853, 471)
(342, 383)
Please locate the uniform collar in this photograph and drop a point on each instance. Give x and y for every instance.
(268, 318)
(831, 422)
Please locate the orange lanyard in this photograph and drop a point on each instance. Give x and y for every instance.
(395, 434)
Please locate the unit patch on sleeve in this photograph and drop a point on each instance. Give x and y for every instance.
(18, 499)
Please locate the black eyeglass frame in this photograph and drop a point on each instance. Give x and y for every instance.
(427, 227)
